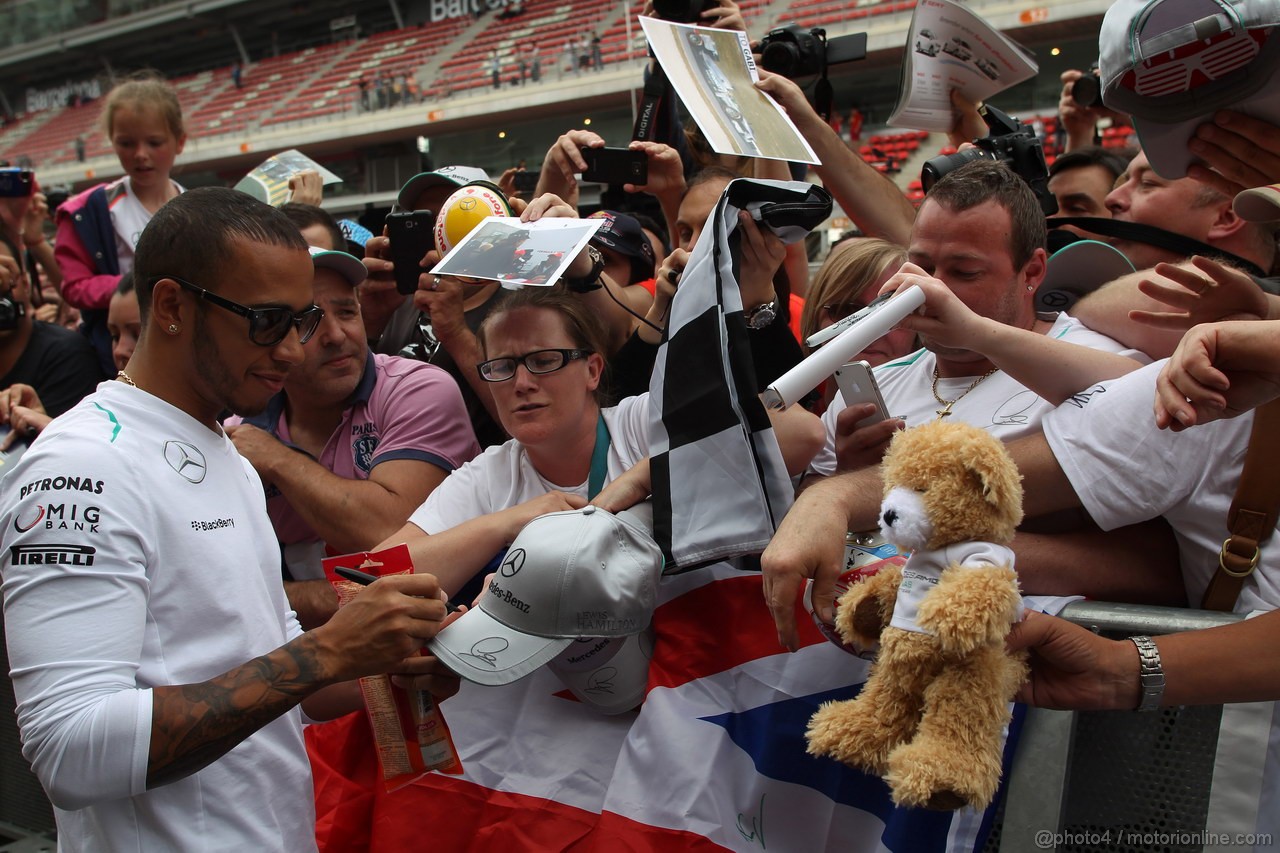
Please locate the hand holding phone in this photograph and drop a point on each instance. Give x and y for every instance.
(615, 166)
(525, 181)
(16, 183)
(858, 385)
(410, 233)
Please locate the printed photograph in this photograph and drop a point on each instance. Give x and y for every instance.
(710, 71)
(518, 253)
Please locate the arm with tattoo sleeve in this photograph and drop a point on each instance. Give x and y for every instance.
(195, 724)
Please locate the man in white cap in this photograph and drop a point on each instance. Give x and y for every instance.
(352, 444)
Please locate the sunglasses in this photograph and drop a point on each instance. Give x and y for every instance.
(1167, 72)
(267, 326)
(539, 362)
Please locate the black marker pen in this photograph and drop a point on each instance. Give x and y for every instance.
(364, 579)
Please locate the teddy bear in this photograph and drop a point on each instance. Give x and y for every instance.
(930, 717)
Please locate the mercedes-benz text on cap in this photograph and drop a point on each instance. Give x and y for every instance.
(568, 575)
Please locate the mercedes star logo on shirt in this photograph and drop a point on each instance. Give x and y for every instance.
(186, 459)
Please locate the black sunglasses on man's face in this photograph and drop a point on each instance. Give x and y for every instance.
(267, 326)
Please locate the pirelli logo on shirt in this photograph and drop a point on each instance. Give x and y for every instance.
(52, 555)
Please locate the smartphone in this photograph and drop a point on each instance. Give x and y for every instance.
(410, 233)
(615, 166)
(858, 385)
(526, 181)
(16, 183)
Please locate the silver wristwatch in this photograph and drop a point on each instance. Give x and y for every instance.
(762, 315)
(1150, 673)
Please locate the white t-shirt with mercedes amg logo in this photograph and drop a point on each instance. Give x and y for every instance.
(138, 553)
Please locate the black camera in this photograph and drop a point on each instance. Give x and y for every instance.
(1010, 142)
(55, 195)
(1087, 91)
(11, 311)
(525, 181)
(795, 52)
(16, 183)
(683, 11)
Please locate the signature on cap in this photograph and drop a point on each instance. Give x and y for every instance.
(601, 681)
(487, 650)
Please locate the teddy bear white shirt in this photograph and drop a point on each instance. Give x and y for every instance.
(924, 569)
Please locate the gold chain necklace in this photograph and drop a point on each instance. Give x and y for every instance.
(947, 404)
(124, 377)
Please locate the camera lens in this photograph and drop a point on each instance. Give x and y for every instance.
(1087, 91)
(937, 167)
(780, 57)
(678, 11)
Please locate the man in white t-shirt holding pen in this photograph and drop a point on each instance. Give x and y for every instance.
(157, 666)
(980, 232)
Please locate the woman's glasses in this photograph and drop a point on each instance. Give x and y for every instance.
(539, 361)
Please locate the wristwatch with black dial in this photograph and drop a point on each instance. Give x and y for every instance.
(762, 315)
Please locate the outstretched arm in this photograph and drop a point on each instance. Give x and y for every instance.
(354, 514)
(871, 199)
(810, 544)
(1219, 370)
(1073, 668)
(1053, 369)
(193, 725)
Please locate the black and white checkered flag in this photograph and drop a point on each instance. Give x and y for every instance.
(719, 483)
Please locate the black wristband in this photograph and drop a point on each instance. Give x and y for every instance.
(590, 281)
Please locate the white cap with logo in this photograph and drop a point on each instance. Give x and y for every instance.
(570, 575)
(1172, 63)
(451, 176)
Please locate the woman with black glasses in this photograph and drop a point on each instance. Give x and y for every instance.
(541, 359)
(543, 365)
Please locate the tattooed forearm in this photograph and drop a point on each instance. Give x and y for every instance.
(193, 725)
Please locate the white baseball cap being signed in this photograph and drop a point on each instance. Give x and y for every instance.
(584, 573)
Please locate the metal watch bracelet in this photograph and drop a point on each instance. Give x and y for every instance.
(1150, 674)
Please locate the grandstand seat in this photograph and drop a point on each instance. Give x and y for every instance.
(53, 141)
(543, 23)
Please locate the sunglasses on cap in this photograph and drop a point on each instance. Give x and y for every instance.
(267, 326)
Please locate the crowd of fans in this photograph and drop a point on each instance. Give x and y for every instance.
(326, 412)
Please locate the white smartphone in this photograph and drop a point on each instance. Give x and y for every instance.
(858, 385)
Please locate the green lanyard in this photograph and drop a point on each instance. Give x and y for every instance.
(599, 459)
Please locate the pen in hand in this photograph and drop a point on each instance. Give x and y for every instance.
(364, 579)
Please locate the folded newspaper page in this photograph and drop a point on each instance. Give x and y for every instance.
(950, 47)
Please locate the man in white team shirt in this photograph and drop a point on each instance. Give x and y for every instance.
(157, 667)
(982, 233)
